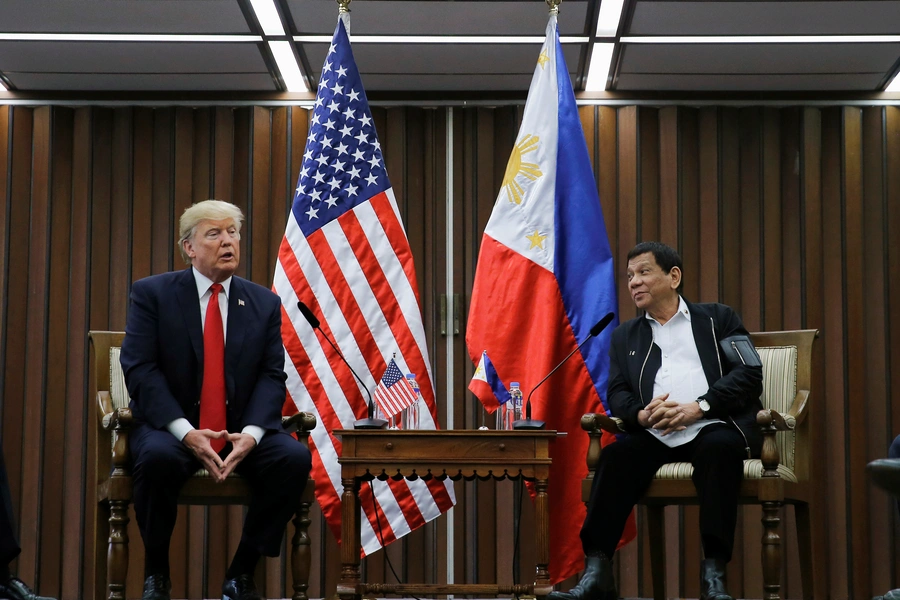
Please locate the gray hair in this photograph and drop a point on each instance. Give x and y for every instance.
(208, 210)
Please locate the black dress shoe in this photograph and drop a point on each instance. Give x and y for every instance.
(157, 587)
(16, 589)
(712, 580)
(240, 588)
(597, 583)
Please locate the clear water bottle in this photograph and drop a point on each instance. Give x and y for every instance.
(502, 417)
(515, 401)
(410, 415)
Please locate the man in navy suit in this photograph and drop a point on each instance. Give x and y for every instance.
(198, 404)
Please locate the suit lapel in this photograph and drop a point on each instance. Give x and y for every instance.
(654, 361)
(237, 304)
(189, 302)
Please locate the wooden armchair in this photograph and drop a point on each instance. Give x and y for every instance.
(114, 485)
(781, 476)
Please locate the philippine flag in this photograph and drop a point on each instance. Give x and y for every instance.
(487, 385)
(544, 277)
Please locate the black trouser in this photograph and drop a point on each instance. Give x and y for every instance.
(9, 546)
(276, 469)
(627, 467)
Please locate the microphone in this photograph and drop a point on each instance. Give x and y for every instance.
(370, 422)
(528, 422)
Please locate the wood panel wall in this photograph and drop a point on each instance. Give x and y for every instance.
(786, 213)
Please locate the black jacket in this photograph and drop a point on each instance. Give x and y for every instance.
(734, 390)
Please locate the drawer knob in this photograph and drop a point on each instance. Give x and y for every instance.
(503, 446)
(389, 446)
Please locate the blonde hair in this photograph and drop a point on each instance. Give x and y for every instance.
(208, 210)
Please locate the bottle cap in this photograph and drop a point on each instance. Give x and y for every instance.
(410, 376)
(514, 384)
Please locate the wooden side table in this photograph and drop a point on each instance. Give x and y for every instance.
(370, 454)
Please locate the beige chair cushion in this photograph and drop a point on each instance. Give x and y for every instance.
(779, 390)
(752, 470)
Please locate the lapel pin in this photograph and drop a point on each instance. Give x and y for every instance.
(240, 302)
(629, 354)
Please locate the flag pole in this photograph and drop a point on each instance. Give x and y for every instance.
(344, 6)
(553, 4)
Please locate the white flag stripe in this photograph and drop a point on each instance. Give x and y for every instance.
(396, 278)
(319, 356)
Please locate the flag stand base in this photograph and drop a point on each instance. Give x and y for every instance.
(370, 424)
(529, 424)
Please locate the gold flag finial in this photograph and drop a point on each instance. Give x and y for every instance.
(343, 6)
(554, 6)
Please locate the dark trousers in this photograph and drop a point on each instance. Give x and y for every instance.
(626, 469)
(276, 469)
(9, 546)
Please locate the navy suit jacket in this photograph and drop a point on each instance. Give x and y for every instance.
(162, 355)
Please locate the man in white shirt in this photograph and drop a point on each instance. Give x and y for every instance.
(204, 365)
(682, 400)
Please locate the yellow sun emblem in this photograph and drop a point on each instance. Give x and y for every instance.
(536, 239)
(516, 167)
(543, 59)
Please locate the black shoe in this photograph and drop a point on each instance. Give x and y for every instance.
(157, 587)
(16, 589)
(712, 580)
(240, 588)
(597, 583)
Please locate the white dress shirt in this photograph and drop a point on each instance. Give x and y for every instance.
(681, 372)
(181, 426)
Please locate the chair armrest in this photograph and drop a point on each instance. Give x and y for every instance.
(798, 406)
(770, 422)
(597, 422)
(116, 421)
(300, 423)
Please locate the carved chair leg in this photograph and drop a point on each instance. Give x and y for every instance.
(301, 552)
(101, 549)
(656, 522)
(771, 550)
(117, 558)
(804, 541)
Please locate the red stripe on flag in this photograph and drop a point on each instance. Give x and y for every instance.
(396, 235)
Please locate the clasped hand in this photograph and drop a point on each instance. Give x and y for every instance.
(199, 442)
(669, 416)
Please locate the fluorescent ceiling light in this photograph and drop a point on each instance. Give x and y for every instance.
(268, 18)
(610, 15)
(598, 70)
(287, 65)
(894, 85)
(762, 39)
(442, 39)
(123, 37)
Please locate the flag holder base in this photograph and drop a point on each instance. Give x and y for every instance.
(529, 424)
(370, 424)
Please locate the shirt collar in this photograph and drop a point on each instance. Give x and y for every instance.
(204, 283)
(682, 309)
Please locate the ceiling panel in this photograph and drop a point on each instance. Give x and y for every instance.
(122, 16)
(765, 18)
(438, 18)
(448, 83)
(758, 58)
(747, 83)
(130, 57)
(442, 59)
(143, 82)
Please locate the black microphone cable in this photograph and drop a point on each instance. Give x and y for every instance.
(381, 537)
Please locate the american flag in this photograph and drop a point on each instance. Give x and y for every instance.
(394, 393)
(346, 255)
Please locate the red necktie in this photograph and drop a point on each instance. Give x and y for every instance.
(212, 393)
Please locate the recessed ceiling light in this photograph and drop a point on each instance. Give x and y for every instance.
(610, 15)
(442, 39)
(598, 71)
(894, 85)
(268, 18)
(287, 65)
(124, 37)
(762, 39)
(3, 87)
